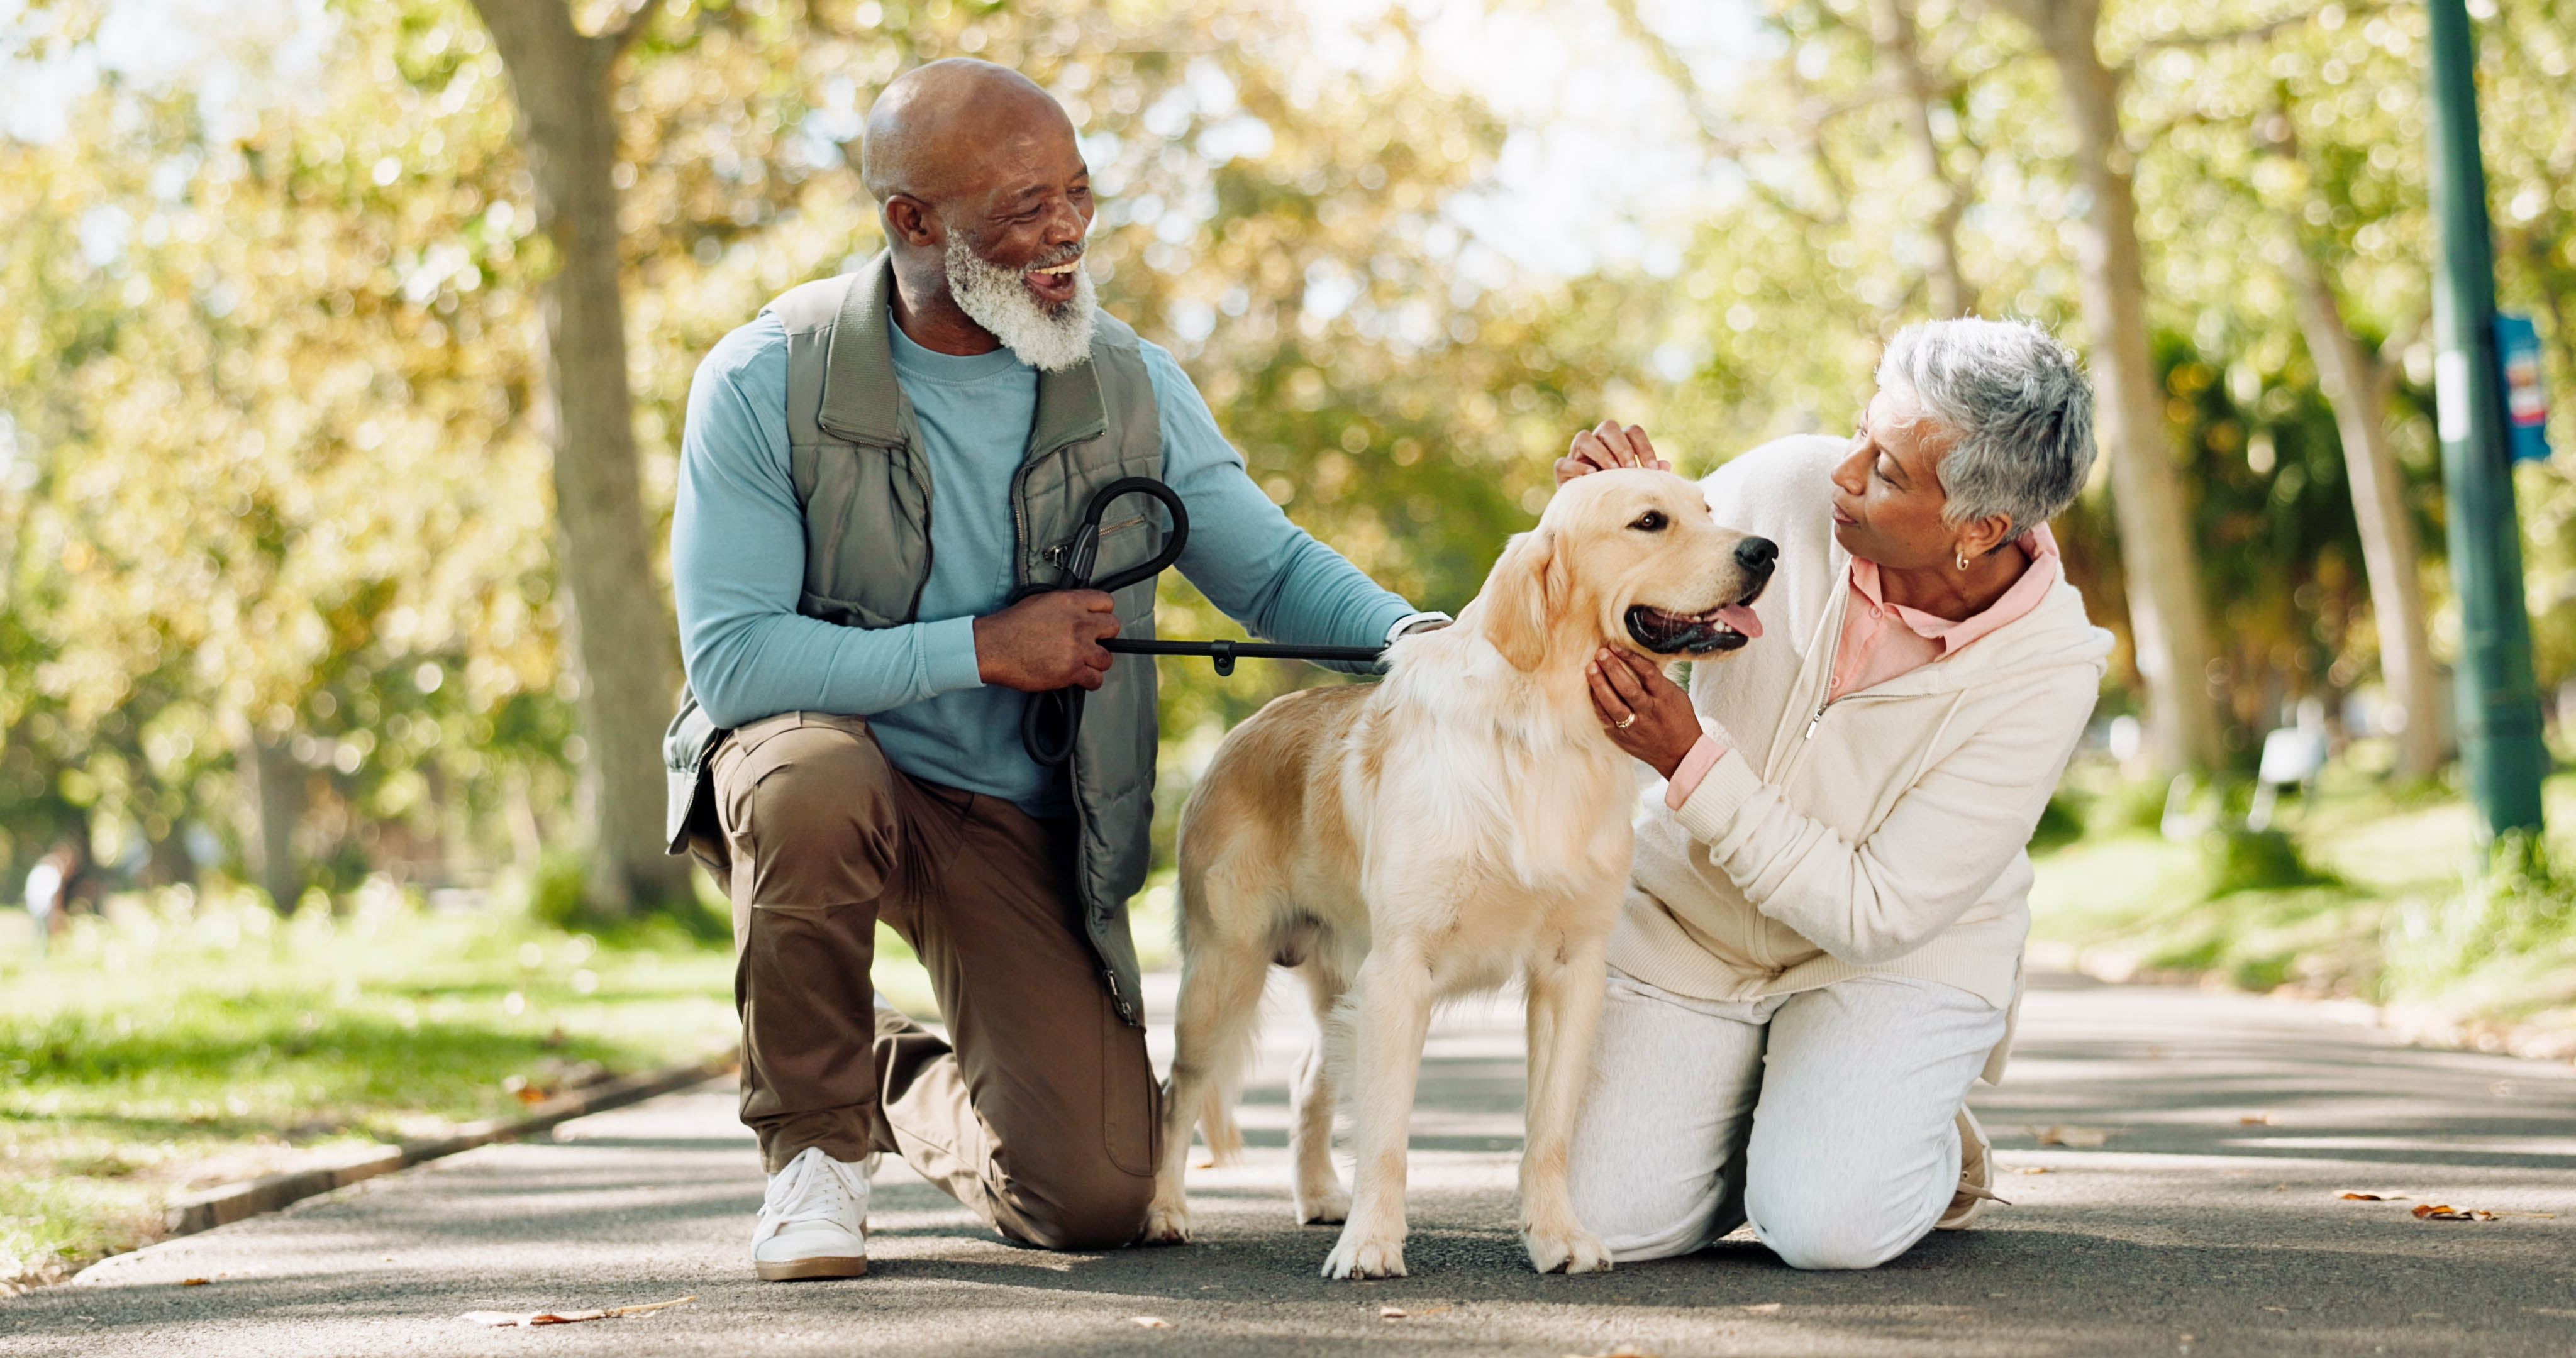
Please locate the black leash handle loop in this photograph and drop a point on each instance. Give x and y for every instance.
(1050, 721)
(1088, 543)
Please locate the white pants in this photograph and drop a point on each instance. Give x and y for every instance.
(1825, 1118)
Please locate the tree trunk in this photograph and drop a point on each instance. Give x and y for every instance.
(2167, 617)
(277, 805)
(2355, 381)
(620, 632)
(1892, 27)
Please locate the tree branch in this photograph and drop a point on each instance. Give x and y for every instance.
(2391, 358)
(2249, 33)
(625, 28)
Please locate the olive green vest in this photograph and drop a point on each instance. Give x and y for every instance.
(855, 453)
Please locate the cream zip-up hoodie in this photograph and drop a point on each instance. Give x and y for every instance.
(1881, 833)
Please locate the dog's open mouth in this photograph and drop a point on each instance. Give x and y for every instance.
(1719, 629)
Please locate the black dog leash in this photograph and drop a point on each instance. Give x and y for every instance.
(1051, 720)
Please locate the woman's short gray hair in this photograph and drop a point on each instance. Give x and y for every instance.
(2016, 405)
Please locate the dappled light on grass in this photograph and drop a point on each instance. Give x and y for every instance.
(2367, 893)
(186, 1040)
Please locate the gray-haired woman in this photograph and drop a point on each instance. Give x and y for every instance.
(1821, 946)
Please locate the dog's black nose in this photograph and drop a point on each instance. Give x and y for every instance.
(1757, 554)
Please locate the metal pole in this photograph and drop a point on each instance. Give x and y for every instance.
(2499, 711)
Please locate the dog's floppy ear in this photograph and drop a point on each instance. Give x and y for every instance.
(1523, 597)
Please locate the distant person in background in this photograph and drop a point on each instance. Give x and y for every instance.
(49, 891)
(1821, 947)
(876, 474)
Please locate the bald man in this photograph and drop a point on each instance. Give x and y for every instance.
(878, 481)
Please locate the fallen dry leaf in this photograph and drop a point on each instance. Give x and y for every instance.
(2446, 1212)
(2281, 1310)
(2357, 1196)
(1390, 1313)
(1764, 1308)
(526, 1319)
(2081, 1138)
(194, 1282)
(2030, 1169)
(1149, 1322)
(2262, 1119)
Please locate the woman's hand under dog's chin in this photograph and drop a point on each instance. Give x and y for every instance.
(1661, 725)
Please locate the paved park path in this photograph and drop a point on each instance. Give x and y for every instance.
(2198, 1227)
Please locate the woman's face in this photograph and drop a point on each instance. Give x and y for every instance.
(1887, 495)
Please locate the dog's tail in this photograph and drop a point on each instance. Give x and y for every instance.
(1217, 1126)
(1222, 977)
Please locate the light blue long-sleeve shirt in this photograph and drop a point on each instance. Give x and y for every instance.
(738, 560)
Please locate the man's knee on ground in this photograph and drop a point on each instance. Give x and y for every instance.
(1101, 1210)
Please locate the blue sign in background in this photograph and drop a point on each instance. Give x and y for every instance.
(2526, 390)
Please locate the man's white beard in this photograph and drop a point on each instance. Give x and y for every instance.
(999, 300)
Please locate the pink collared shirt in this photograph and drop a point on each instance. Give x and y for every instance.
(1871, 651)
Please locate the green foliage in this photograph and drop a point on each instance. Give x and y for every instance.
(556, 889)
(2060, 822)
(2514, 910)
(2240, 858)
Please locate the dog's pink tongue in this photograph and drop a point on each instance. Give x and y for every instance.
(1741, 619)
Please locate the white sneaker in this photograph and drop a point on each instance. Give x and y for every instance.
(1976, 1176)
(813, 1223)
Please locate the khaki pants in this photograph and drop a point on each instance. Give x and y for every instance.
(1042, 1115)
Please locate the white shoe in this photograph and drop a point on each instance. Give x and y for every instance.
(1976, 1176)
(813, 1223)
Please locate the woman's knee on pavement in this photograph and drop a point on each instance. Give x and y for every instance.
(1652, 1220)
(1820, 1226)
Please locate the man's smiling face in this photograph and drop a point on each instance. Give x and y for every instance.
(987, 201)
(1026, 205)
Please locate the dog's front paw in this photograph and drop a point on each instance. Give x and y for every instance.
(1369, 1256)
(1572, 1251)
(1326, 1206)
(1166, 1222)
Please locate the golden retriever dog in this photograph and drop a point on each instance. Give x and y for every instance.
(1461, 824)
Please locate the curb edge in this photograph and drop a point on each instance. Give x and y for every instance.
(192, 1213)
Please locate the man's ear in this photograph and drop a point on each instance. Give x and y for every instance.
(909, 220)
(1523, 598)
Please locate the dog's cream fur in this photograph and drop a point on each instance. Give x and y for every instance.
(1462, 824)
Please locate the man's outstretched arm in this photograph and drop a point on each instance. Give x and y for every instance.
(1244, 554)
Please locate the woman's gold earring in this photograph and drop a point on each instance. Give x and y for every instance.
(1963, 558)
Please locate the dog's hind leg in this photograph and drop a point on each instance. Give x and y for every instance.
(1320, 1196)
(1222, 973)
(1564, 1009)
(1395, 992)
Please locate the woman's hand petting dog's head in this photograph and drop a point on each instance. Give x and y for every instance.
(1606, 445)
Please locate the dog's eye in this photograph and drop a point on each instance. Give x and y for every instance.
(1652, 521)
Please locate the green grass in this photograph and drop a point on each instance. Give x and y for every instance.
(2371, 893)
(182, 1041)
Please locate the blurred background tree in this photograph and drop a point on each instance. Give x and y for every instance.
(284, 443)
